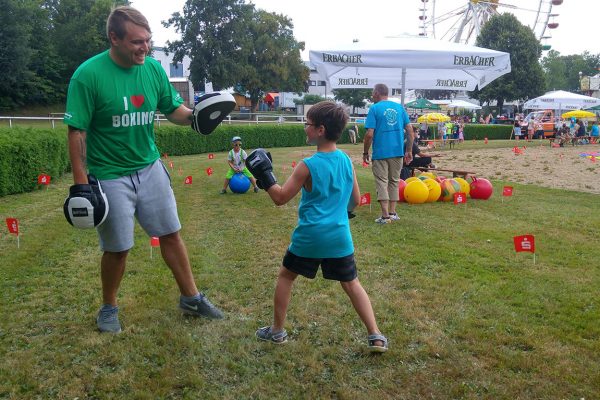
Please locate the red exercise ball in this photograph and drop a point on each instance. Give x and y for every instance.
(481, 189)
(401, 186)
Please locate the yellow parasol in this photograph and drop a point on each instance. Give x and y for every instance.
(579, 114)
(433, 117)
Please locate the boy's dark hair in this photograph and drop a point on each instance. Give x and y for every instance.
(119, 15)
(332, 116)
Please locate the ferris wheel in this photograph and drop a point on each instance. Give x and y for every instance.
(461, 20)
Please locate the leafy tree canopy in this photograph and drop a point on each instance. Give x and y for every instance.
(505, 33)
(232, 43)
(353, 97)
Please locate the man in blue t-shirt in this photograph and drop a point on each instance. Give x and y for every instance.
(386, 123)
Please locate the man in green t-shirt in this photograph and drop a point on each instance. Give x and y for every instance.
(111, 103)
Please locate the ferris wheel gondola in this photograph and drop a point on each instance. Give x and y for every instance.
(461, 21)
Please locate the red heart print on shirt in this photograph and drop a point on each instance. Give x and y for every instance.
(137, 100)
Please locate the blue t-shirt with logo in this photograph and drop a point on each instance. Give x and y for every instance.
(388, 119)
(323, 230)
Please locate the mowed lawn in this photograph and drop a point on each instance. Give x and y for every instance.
(466, 316)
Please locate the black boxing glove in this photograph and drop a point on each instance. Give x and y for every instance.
(87, 206)
(260, 165)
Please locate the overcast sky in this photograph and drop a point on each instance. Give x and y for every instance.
(324, 23)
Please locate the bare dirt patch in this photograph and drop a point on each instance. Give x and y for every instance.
(562, 168)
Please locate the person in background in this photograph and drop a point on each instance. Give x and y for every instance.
(386, 123)
(236, 159)
(594, 133)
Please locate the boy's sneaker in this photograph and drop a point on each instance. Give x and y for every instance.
(255, 189)
(394, 217)
(383, 221)
(267, 334)
(108, 320)
(200, 307)
(223, 191)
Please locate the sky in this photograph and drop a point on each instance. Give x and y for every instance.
(322, 24)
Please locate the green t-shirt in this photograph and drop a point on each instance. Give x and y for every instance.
(116, 108)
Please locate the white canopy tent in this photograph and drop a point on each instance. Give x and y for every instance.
(410, 63)
(561, 100)
(463, 104)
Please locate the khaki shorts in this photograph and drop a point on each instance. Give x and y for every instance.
(387, 175)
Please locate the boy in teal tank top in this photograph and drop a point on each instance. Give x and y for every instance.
(322, 237)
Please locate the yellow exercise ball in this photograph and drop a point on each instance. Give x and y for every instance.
(435, 190)
(427, 174)
(412, 178)
(416, 192)
(465, 187)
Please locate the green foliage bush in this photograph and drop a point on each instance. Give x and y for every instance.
(25, 153)
(477, 131)
(179, 140)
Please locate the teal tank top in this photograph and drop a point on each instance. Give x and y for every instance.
(323, 230)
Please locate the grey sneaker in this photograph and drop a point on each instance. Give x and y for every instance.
(266, 333)
(394, 217)
(383, 221)
(108, 320)
(201, 307)
(223, 191)
(255, 189)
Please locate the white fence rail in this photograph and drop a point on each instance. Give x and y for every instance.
(55, 119)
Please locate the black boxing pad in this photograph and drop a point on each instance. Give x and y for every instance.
(211, 109)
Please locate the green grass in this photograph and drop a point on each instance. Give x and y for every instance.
(467, 317)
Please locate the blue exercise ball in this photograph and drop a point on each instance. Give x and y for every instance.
(239, 183)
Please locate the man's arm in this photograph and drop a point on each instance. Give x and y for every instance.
(410, 136)
(77, 154)
(181, 116)
(368, 139)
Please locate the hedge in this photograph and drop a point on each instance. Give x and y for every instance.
(25, 153)
(478, 131)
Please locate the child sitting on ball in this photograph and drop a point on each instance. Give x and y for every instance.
(237, 163)
(322, 237)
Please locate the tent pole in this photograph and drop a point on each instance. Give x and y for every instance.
(403, 95)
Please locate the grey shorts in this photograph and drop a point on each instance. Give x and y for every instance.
(387, 175)
(146, 195)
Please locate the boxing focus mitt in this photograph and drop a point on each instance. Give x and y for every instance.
(210, 110)
(87, 206)
(260, 165)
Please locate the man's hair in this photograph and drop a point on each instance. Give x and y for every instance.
(381, 89)
(332, 116)
(119, 15)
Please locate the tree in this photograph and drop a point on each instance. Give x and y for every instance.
(231, 43)
(505, 33)
(555, 71)
(352, 97)
(79, 30)
(562, 72)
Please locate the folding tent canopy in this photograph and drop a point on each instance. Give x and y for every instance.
(463, 104)
(410, 63)
(561, 100)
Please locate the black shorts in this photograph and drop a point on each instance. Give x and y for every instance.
(341, 269)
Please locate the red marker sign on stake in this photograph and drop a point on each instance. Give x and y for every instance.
(525, 243)
(365, 199)
(188, 180)
(460, 198)
(154, 242)
(507, 191)
(13, 227)
(211, 156)
(44, 179)
(171, 165)
(209, 171)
